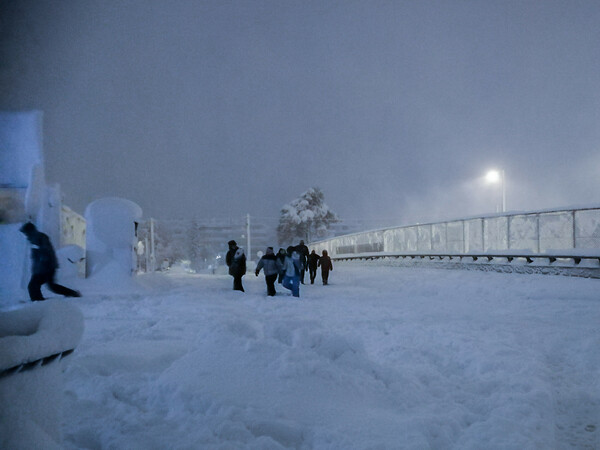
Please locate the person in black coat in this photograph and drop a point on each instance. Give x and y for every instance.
(236, 261)
(230, 253)
(302, 249)
(43, 265)
(313, 262)
(326, 266)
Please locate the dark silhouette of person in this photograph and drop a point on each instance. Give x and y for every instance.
(302, 249)
(43, 265)
(236, 260)
(326, 266)
(313, 262)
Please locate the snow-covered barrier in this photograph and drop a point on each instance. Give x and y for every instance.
(536, 232)
(33, 342)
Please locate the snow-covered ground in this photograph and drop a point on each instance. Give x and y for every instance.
(382, 358)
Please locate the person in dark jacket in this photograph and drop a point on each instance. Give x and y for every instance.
(43, 265)
(230, 253)
(236, 261)
(272, 267)
(313, 262)
(302, 249)
(281, 257)
(326, 266)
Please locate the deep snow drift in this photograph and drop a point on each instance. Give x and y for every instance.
(384, 357)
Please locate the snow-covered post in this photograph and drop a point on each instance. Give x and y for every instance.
(152, 248)
(33, 342)
(249, 252)
(22, 179)
(147, 268)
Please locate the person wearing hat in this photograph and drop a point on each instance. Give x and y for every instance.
(236, 261)
(43, 265)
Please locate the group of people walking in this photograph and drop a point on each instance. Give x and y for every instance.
(288, 267)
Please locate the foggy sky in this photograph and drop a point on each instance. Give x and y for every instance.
(395, 109)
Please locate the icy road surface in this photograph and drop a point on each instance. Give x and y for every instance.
(382, 358)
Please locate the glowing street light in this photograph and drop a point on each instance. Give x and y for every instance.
(496, 176)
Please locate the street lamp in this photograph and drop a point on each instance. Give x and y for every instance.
(495, 176)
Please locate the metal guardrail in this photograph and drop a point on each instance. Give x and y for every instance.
(474, 257)
(30, 365)
(543, 264)
(536, 232)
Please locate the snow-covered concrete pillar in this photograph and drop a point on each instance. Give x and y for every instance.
(110, 236)
(33, 342)
(22, 192)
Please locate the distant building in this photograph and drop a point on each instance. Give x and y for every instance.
(203, 242)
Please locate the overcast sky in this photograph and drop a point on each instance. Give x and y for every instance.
(395, 109)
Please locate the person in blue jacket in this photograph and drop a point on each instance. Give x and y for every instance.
(293, 270)
(43, 265)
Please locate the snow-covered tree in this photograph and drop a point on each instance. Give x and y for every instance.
(306, 217)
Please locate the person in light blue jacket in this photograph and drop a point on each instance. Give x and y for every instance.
(293, 269)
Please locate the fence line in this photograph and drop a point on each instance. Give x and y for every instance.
(532, 232)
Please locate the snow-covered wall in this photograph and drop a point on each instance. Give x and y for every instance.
(21, 139)
(14, 260)
(110, 236)
(32, 342)
(534, 232)
(24, 194)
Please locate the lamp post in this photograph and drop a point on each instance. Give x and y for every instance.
(495, 176)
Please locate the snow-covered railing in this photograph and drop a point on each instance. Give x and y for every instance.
(529, 258)
(538, 232)
(33, 341)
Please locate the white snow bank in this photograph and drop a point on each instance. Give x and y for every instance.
(21, 138)
(38, 330)
(70, 258)
(31, 399)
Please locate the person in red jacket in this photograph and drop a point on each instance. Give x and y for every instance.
(326, 266)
